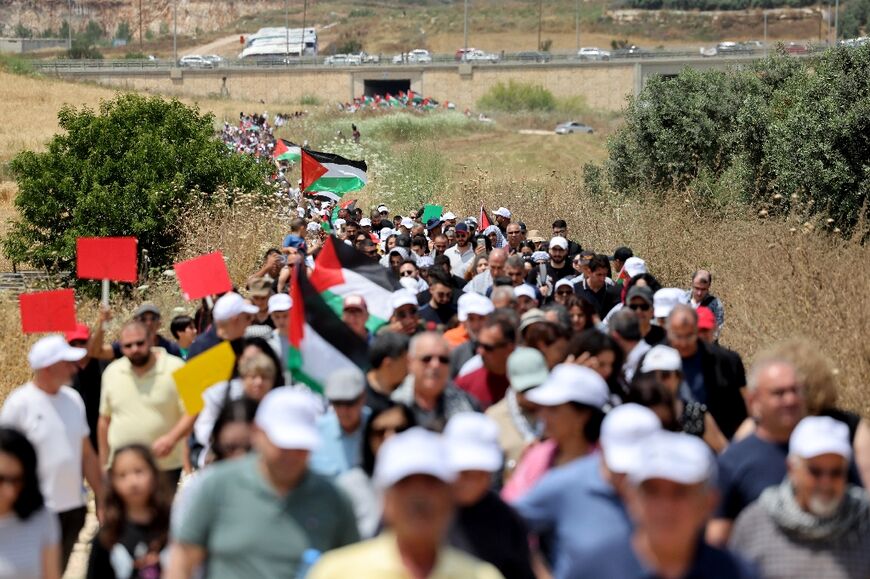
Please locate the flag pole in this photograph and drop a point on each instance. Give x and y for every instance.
(106, 293)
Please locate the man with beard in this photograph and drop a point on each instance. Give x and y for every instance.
(139, 403)
(440, 309)
(814, 524)
(462, 253)
(558, 266)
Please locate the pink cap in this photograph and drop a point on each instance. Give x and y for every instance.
(706, 319)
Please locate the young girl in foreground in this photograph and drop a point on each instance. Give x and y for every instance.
(134, 535)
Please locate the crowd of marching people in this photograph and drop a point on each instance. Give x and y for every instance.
(530, 408)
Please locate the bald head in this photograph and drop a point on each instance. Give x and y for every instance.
(427, 341)
(497, 260)
(683, 330)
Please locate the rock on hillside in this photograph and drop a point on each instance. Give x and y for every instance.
(205, 15)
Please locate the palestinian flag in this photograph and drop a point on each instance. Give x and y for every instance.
(484, 221)
(340, 270)
(331, 176)
(320, 343)
(326, 224)
(286, 151)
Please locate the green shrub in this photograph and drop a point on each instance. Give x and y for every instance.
(15, 64)
(127, 169)
(785, 129)
(410, 127)
(513, 97)
(81, 48)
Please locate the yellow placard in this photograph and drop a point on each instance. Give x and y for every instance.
(212, 366)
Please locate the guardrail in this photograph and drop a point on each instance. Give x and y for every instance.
(528, 58)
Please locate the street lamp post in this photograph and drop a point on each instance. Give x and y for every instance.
(765, 33)
(175, 30)
(286, 28)
(465, 33)
(540, 20)
(836, 21)
(577, 23)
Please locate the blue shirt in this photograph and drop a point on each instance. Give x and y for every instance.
(746, 468)
(339, 451)
(694, 372)
(578, 507)
(617, 559)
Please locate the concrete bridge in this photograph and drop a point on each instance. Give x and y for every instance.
(603, 85)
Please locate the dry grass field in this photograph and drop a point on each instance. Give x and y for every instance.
(778, 278)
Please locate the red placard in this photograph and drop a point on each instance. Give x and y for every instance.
(112, 258)
(203, 276)
(50, 311)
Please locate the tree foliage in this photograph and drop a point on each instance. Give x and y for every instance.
(784, 127)
(127, 169)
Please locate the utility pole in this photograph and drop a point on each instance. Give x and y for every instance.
(540, 20)
(175, 30)
(140, 25)
(287, 27)
(304, 21)
(577, 23)
(765, 33)
(465, 33)
(836, 22)
(69, 24)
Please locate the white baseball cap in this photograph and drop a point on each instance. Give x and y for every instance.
(634, 266)
(564, 282)
(231, 305)
(502, 212)
(818, 435)
(339, 222)
(288, 417)
(403, 297)
(345, 384)
(674, 456)
(623, 432)
(663, 358)
(415, 451)
(280, 303)
(50, 350)
(312, 227)
(666, 299)
(474, 303)
(386, 232)
(383, 209)
(448, 215)
(365, 222)
(407, 223)
(525, 289)
(558, 241)
(571, 383)
(472, 443)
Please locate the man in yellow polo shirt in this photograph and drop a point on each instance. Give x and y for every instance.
(140, 404)
(413, 471)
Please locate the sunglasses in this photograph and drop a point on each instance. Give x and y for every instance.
(381, 432)
(11, 480)
(492, 347)
(148, 318)
(641, 307)
(834, 473)
(427, 359)
(138, 344)
(406, 273)
(406, 314)
(564, 292)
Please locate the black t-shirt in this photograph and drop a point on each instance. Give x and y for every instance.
(440, 316)
(603, 300)
(491, 531)
(87, 382)
(655, 336)
(132, 557)
(554, 274)
(376, 401)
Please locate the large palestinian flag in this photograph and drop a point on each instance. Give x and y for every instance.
(340, 270)
(286, 151)
(320, 343)
(330, 175)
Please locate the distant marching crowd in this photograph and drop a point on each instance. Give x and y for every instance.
(528, 407)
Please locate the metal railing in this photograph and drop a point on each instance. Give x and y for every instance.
(530, 58)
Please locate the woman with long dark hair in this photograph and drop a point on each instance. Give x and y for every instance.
(29, 533)
(132, 541)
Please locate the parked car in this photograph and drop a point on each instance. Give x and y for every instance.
(532, 56)
(336, 60)
(195, 61)
(593, 53)
(573, 127)
(481, 56)
(627, 52)
(795, 48)
(416, 56)
(367, 58)
(731, 48)
(461, 51)
(213, 58)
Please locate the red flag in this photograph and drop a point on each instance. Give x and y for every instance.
(312, 170)
(112, 258)
(49, 311)
(203, 276)
(484, 221)
(280, 148)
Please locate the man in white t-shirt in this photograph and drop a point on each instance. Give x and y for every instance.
(52, 417)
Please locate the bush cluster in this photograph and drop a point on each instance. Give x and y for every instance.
(785, 129)
(515, 97)
(128, 169)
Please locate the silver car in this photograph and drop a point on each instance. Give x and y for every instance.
(573, 127)
(195, 61)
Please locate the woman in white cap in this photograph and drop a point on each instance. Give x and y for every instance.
(572, 401)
